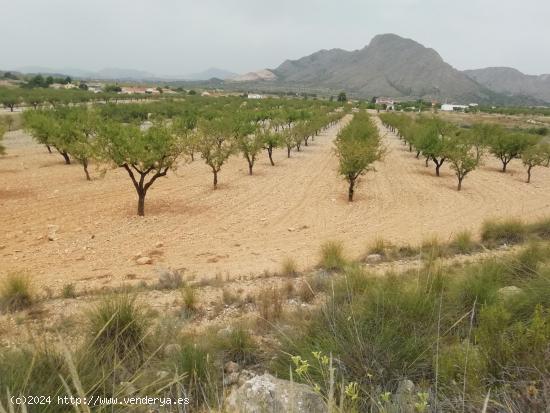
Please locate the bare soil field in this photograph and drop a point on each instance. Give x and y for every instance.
(245, 227)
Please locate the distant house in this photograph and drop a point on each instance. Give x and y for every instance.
(255, 96)
(205, 93)
(447, 107)
(70, 86)
(133, 90)
(388, 103)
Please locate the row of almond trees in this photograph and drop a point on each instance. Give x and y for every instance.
(358, 146)
(148, 150)
(439, 141)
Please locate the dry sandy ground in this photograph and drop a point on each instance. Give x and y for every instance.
(245, 227)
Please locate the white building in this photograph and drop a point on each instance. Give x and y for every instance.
(447, 107)
(255, 96)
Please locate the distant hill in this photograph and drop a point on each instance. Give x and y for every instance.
(511, 81)
(389, 66)
(211, 73)
(260, 75)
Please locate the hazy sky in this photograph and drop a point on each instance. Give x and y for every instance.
(174, 37)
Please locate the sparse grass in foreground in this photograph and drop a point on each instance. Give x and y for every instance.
(422, 325)
(270, 304)
(332, 256)
(15, 292)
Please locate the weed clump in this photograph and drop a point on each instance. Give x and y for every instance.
(332, 256)
(118, 328)
(509, 231)
(15, 292)
(289, 268)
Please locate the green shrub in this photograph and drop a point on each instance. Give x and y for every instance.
(332, 256)
(15, 292)
(118, 330)
(509, 231)
(379, 246)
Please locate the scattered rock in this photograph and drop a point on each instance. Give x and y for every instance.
(405, 387)
(508, 292)
(231, 379)
(159, 245)
(144, 261)
(374, 258)
(231, 367)
(171, 349)
(291, 229)
(267, 394)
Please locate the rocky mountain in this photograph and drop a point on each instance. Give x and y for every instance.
(509, 81)
(260, 75)
(390, 66)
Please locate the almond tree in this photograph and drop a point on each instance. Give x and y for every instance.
(510, 145)
(216, 144)
(250, 143)
(287, 137)
(463, 156)
(271, 140)
(536, 155)
(433, 141)
(45, 128)
(145, 155)
(358, 146)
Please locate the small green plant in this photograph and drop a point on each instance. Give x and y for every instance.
(15, 292)
(68, 291)
(541, 229)
(270, 304)
(332, 256)
(432, 248)
(239, 346)
(189, 297)
(509, 231)
(289, 268)
(463, 242)
(379, 246)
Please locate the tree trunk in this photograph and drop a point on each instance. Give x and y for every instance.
(85, 166)
(350, 190)
(437, 166)
(529, 174)
(48, 148)
(215, 179)
(427, 160)
(192, 156)
(288, 151)
(417, 154)
(65, 156)
(504, 165)
(459, 183)
(141, 203)
(270, 154)
(250, 165)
